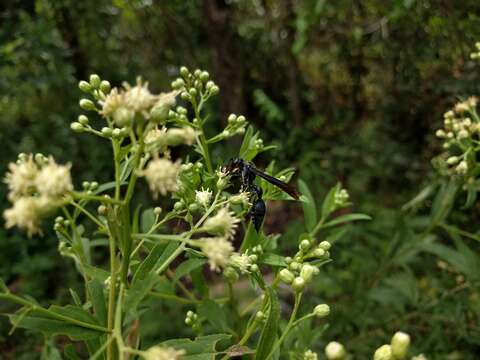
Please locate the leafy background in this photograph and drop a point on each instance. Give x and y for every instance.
(348, 91)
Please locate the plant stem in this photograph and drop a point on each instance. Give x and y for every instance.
(103, 199)
(298, 298)
(111, 294)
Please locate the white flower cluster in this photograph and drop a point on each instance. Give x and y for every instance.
(161, 175)
(461, 129)
(36, 186)
(158, 140)
(223, 223)
(218, 251)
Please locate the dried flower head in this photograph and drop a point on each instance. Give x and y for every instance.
(223, 223)
(54, 180)
(163, 353)
(218, 251)
(21, 177)
(161, 175)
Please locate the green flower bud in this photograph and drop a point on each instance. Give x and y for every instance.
(335, 351)
(197, 73)
(106, 131)
(85, 184)
(94, 185)
(294, 265)
(185, 96)
(254, 268)
(215, 90)
(400, 344)
(384, 352)
(298, 284)
(319, 252)
(193, 207)
(87, 104)
(288, 260)
(102, 209)
(304, 245)
(286, 276)
(325, 245)
(308, 271)
(157, 210)
(178, 206)
(116, 132)
(82, 119)
(77, 127)
(241, 119)
(84, 86)
(95, 80)
(184, 71)
(260, 316)
(105, 87)
(123, 116)
(204, 76)
(209, 85)
(192, 92)
(231, 274)
(321, 310)
(253, 258)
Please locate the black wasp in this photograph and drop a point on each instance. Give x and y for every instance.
(245, 172)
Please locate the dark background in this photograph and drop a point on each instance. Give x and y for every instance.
(349, 91)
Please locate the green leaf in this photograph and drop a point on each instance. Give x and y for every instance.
(158, 254)
(328, 205)
(443, 202)
(70, 353)
(96, 273)
(346, 218)
(273, 260)
(97, 298)
(309, 207)
(202, 348)
(214, 314)
(420, 198)
(75, 297)
(148, 219)
(138, 291)
(52, 327)
(270, 329)
(188, 266)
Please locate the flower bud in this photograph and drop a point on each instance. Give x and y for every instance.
(298, 284)
(106, 131)
(87, 104)
(335, 351)
(286, 276)
(105, 86)
(400, 344)
(157, 210)
(319, 252)
(102, 209)
(82, 119)
(84, 86)
(184, 71)
(95, 80)
(77, 127)
(384, 352)
(215, 90)
(178, 205)
(325, 245)
(308, 271)
(304, 245)
(204, 76)
(321, 310)
(294, 265)
(231, 274)
(260, 316)
(254, 268)
(232, 118)
(194, 207)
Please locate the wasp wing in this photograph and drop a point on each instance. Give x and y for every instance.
(290, 190)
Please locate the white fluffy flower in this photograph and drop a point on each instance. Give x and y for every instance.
(139, 98)
(26, 213)
(242, 198)
(218, 251)
(240, 261)
(112, 102)
(21, 177)
(163, 353)
(223, 223)
(203, 197)
(54, 180)
(335, 351)
(161, 175)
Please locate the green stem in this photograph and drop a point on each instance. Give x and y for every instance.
(170, 259)
(35, 307)
(103, 199)
(111, 295)
(298, 298)
(318, 227)
(89, 215)
(173, 298)
(116, 159)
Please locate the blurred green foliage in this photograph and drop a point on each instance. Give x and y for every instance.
(349, 91)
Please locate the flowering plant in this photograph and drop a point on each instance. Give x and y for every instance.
(145, 259)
